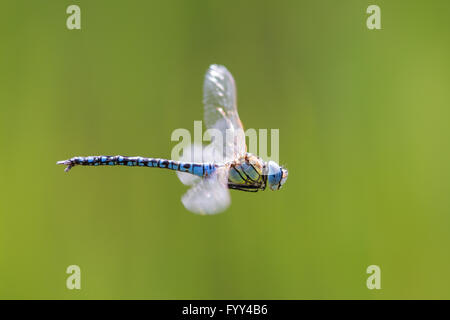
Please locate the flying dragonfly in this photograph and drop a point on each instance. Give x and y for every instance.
(213, 169)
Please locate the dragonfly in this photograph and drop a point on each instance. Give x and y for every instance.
(211, 170)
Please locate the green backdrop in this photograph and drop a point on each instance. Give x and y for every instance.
(364, 131)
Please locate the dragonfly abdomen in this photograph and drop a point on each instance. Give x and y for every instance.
(198, 169)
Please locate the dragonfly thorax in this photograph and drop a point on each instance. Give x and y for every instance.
(247, 174)
(251, 173)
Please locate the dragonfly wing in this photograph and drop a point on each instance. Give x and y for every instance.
(195, 153)
(219, 99)
(209, 195)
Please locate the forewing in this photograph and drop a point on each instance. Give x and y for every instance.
(209, 195)
(219, 98)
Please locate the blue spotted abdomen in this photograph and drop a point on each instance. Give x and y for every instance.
(198, 169)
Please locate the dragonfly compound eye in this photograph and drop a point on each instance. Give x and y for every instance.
(274, 175)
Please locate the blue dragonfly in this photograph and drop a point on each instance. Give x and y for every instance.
(213, 169)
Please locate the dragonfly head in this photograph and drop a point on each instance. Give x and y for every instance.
(276, 175)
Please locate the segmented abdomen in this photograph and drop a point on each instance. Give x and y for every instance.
(198, 169)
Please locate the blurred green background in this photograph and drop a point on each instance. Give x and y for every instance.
(364, 131)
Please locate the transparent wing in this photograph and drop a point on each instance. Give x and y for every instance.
(219, 99)
(209, 195)
(195, 153)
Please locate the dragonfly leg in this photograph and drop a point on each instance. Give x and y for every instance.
(248, 188)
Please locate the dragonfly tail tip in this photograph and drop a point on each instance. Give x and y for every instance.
(65, 162)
